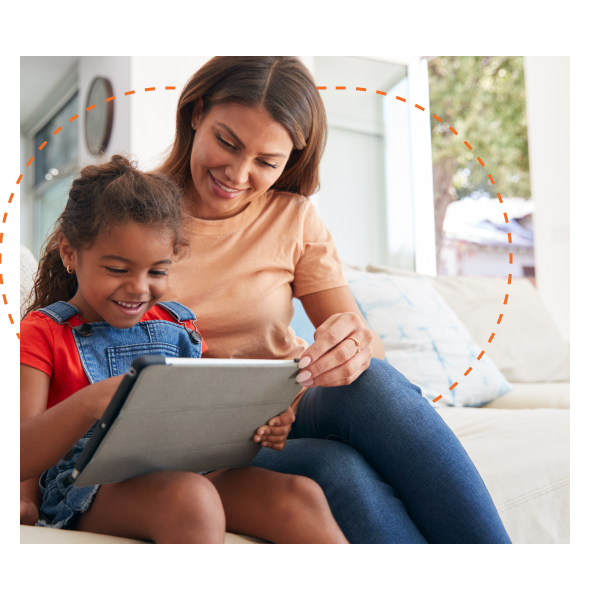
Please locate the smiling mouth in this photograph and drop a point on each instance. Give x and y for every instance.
(224, 187)
(129, 304)
(130, 308)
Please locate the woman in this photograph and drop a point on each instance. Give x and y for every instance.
(250, 135)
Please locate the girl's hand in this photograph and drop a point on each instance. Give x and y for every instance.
(99, 395)
(46, 437)
(274, 435)
(334, 359)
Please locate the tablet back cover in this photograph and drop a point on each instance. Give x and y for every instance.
(191, 417)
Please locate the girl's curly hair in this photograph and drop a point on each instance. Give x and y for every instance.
(104, 196)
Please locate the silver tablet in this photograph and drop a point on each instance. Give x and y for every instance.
(185, 414)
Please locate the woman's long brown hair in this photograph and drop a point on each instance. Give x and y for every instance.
(283, 86)
(105, 196)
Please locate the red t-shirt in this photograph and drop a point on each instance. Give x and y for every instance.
(50, 348)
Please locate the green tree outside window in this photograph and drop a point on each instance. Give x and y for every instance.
(483, 98)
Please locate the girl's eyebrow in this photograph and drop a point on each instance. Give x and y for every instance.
(114, 257)
(164, 261)
(237, 139)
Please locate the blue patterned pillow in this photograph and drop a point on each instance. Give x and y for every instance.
(425, 340)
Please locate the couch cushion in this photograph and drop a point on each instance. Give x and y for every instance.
(47, 535)
(535, 395)
(425, 340)
(523, 458)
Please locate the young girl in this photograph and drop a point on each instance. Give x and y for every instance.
(95, 309)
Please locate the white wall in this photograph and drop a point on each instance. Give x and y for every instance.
(547, 93)
(153, 113)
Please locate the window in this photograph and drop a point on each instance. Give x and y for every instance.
(55, 169)
(484, 98)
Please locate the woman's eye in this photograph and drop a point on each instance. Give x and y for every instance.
(158, 273)
(117, 271)
(228, 145)
(224, 142)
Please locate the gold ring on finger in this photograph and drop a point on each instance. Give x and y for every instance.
(356, 342)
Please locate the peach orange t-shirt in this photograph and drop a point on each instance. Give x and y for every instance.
(240, 274)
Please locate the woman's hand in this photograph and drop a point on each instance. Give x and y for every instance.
(274, 435)
(334, 359)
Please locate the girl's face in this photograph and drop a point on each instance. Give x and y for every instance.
(122, 276)
(238, 153)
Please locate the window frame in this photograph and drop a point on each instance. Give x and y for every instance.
(36, 191)
(422, 159)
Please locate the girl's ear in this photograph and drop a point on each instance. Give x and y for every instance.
(67, 253)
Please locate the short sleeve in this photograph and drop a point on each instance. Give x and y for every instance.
(319, 267)
(37, 343)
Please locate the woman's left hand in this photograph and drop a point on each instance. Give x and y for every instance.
(334, 359)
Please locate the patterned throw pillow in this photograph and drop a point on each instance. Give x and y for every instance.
(425, 340)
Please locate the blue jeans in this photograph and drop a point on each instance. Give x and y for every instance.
(396, 473)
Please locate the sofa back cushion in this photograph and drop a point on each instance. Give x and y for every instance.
(527, 347)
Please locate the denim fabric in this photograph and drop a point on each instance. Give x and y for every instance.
(107, 352)
(399, 475)
(61, 500)
(122, 346)
(367, 508)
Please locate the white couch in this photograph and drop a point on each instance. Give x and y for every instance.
(519, 442)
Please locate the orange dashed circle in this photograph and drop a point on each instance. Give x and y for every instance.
(319, 87)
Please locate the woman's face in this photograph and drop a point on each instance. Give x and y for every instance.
(238, 153)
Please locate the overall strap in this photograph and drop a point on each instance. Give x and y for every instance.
(178, 311)
(59, 312)
(183, 313)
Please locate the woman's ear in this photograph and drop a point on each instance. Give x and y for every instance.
(67, 252)
(197, 113)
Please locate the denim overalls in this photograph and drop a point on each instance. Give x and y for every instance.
(106, 351)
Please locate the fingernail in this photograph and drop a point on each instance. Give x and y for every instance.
(272, 423)
(303, 376)
(304, 362)
(309, 382)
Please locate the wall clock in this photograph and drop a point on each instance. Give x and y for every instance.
(99, 120)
